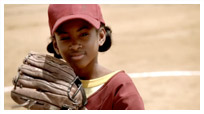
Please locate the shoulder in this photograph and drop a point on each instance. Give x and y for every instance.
(121, 86)
(126, 95)
(120, 78)
(119, 92)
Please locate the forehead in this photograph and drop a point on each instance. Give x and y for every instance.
(74, 23)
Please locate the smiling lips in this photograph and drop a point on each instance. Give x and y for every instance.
(77, 56)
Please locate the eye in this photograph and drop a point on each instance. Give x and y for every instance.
(65, 38)
(84, 34)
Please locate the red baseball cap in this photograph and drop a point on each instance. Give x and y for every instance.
(59, 13)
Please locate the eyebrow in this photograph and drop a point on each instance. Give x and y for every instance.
(83, 27)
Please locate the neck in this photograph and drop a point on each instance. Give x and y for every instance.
(90, 72)
(95, 71)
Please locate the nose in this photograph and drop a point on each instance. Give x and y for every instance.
(75, 46)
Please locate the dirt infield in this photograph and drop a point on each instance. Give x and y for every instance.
(146, 38)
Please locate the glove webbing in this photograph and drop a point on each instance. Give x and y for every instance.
(79, 86)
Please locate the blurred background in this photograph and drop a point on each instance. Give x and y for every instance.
(146, 38)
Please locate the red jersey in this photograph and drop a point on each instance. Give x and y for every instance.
(118, 93)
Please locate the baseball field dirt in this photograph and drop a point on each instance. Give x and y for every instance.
(146, 38)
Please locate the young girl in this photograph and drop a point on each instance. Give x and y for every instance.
(78, 33)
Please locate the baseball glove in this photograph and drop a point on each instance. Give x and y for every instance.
(45, 82)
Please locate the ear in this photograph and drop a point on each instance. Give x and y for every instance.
(102, 36)
(55, 46)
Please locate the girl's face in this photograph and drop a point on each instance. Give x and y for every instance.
(77, 42)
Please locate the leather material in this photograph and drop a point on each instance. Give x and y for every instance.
(45, 82)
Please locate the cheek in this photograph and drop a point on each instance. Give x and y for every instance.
(63, 49)
(94, 42)
(93, 46)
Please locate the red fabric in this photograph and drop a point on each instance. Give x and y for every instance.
(119, 93)
(59, 13)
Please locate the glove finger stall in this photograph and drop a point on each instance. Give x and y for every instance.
(50, 64)
(21, 94)
(42, 74)
(41, 85)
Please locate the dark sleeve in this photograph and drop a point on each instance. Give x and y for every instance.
(127, 97)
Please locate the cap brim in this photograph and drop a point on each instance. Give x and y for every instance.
(89, 19)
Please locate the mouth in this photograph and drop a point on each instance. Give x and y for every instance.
(77, 56)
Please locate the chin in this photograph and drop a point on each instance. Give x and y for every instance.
(78, 65)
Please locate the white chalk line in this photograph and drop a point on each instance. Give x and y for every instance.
(164, 73)
(146, 74)
(8, 89)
